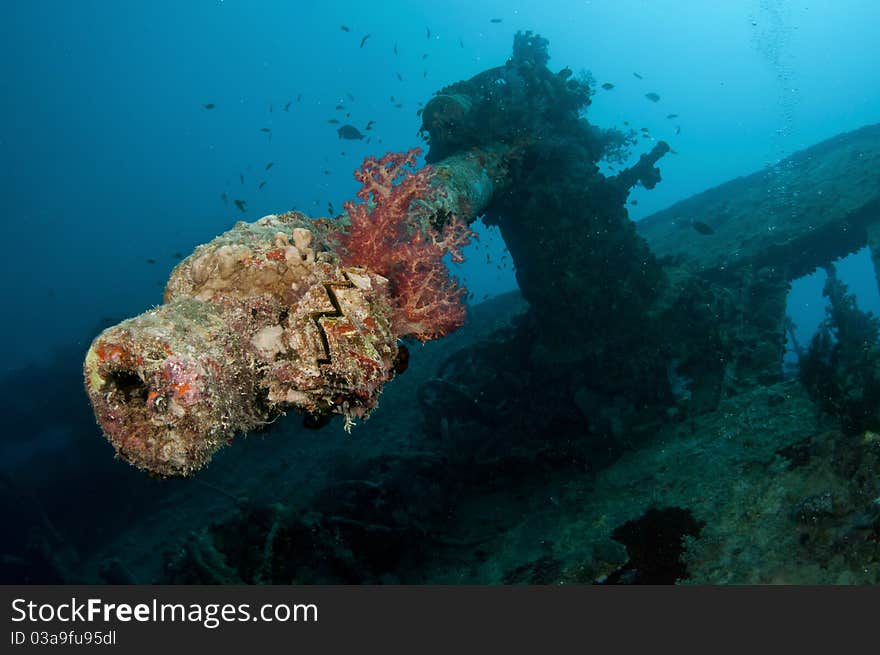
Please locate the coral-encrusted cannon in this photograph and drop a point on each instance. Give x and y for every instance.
(284, 313)
(254, 322)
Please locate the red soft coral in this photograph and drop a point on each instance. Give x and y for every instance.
(387, 237)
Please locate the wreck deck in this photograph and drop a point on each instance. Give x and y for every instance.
(809, 209)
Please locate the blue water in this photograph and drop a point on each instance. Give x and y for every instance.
(110, 159)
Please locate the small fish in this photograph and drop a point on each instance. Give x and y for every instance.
(344, 28)
(241, 204)
(424, 55)
(392, 99)
(224, 198)
(340, 107)
(369, 126)
(634, 202)
(702, 228)
(266, 130)
(327, 172)
(425, 73)
(151, 261)
(299, 96)
(261, 185)
(671, 115)
(349, 132)
(241, 178)
(350, 97)
(645, 130)
(399, 105)
(460, 43)
(636, 75)
(678, 129)
(653, 97)
(364, 40)
(177, 255)
(400, 77)
(348, 114)
(330, 209)
(270, 108)
(608, 86)
(270, 165)
(395, 48)
(495, 20)
(333, 121)
(428, 32)
(209, 105)
(286, 107)
(626, 122)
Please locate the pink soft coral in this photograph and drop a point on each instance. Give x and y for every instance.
(386, 237)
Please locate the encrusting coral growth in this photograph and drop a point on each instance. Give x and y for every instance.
(262, 319)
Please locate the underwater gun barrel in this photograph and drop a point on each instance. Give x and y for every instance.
(262, 319)
(468, 181)
(444, 113)
(164, 384)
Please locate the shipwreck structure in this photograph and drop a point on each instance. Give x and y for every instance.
(290, 313)
(756, 234)
(628, 325)
(623, 420)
